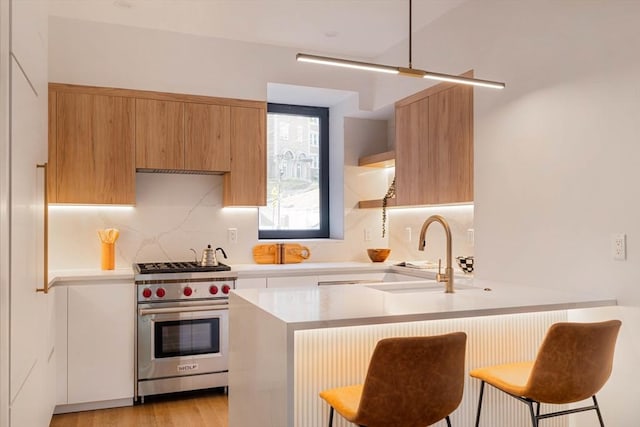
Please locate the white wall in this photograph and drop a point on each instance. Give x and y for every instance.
(556, 152)
(98, 54)
(168, 220)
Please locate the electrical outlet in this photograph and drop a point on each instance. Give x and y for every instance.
(232, 235)
(367, 235)
(407, 234)
(470, 236)
(619, 246)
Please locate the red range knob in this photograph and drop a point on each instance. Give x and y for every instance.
(187, 291)
(213, 289)
(160, 292)
(226, 289)
(146, 292)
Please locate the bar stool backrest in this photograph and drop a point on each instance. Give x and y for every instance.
(573, 362)
(413, 381)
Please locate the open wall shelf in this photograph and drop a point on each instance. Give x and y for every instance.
(379, 160)
(364, 204)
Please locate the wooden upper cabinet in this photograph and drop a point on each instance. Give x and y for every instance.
(207, 137)
(93, 146)
(99, 137)
(434, 146)
(416, 178)
(451, 136)
(159, 134)
(246, 185)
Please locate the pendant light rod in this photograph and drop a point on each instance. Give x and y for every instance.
(403, 71)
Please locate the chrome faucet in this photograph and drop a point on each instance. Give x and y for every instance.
(447, 277)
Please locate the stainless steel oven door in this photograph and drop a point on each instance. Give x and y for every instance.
(182, 338)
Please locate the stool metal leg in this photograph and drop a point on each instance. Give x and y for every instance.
(448, 421)
(479, 404)
(597, 408)
(534, 419)
(330, 416)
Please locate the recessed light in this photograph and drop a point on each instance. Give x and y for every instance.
(330, 34)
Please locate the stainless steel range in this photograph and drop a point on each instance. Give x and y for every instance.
(182, 339)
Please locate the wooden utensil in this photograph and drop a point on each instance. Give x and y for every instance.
(280, 253)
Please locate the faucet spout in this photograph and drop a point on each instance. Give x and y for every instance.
(447, 277)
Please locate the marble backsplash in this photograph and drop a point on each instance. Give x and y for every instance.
(174, 213)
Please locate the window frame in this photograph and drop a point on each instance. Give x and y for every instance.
(323, 232)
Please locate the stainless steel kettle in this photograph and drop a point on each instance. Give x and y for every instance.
(209, 258)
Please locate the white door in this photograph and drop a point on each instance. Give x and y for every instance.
(26, 345)
(30, 394)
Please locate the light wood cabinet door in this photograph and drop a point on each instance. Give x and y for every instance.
(416, 172)
(451, 136)
(159, 134)
(434, 146)
(245, 184)
(207, 137)
(94, 149)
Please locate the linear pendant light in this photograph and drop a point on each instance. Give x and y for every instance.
(403, 71)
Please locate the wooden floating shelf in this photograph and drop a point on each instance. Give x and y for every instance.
(364, 204)
(379, 160)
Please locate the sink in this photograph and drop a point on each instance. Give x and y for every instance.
(415, 286)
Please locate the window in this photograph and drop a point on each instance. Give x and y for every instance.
(297, 174)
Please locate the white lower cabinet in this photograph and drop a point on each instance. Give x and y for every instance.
(292, 282)
(251, 282)
(98, 339)
(350, 278)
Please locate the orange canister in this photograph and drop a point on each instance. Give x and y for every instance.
(108, 238)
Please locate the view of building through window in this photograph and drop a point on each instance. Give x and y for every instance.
(293, 174)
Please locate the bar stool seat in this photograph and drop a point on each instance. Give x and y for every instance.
(345, 400)
(573, 363)
(411, 382)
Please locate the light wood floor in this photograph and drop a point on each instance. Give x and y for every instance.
(194, 410)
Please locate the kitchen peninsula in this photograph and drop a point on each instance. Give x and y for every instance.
(288, 344)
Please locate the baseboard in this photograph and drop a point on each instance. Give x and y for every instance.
(90, 406)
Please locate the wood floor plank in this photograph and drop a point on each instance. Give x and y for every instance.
(206, 410)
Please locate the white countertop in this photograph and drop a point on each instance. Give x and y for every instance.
(348, 305)
(243, 270)
(308, 268)
(61, 276)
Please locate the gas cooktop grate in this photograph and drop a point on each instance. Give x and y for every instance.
(178, 267)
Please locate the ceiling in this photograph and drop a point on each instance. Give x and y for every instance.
(354, 28)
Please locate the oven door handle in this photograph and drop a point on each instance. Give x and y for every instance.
(169, 310)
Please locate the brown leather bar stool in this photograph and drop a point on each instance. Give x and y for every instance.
(573, 363)
(411, 382)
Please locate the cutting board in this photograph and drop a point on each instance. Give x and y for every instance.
(280, 253)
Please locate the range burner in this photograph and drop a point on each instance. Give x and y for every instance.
(177, 267)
